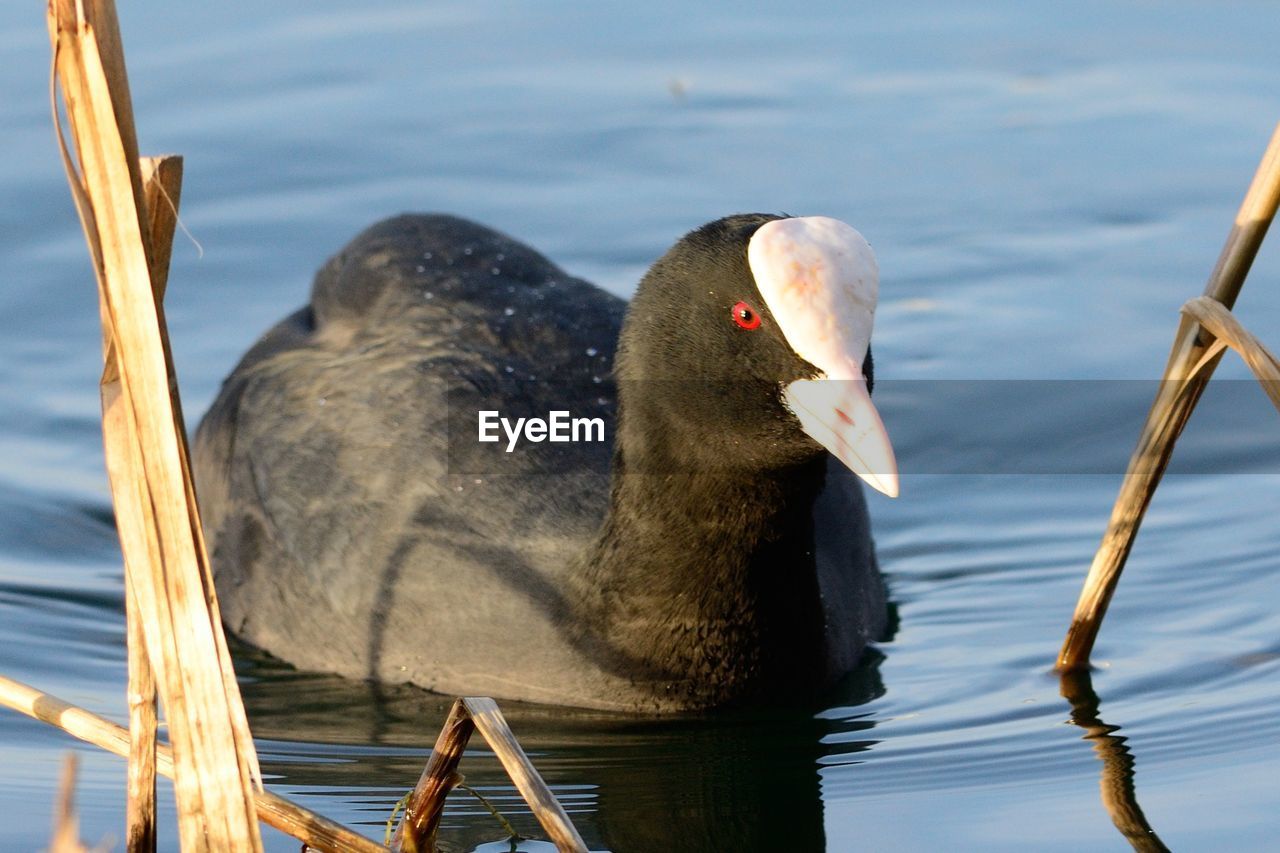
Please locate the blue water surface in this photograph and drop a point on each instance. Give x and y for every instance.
(1044, 184)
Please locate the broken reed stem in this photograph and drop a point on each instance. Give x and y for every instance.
(285, 815)
(1184, 381)
(66, 826)
(417, 830)
(145, 445)
(426, 804)
(546, 808)
(162, 183)
(140, 804)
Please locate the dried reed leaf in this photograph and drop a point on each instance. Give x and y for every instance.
(1227, 329)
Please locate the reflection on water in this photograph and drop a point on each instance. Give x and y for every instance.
(1119, 795)
(743, 781)
(1044, 184)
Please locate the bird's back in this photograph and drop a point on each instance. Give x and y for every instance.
(357, 525)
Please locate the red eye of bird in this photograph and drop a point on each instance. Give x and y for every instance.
(745, 316)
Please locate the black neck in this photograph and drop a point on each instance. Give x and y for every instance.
(703, 577)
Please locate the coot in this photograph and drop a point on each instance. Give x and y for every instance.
(714, 551)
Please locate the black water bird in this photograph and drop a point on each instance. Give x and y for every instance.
(719, 553)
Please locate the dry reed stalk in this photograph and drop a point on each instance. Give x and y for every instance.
(1190, 365)
(128, 209)
(66, 826)
(216, 768)
(140, 803)
(417, 829)
(162, 184)
(274, 810)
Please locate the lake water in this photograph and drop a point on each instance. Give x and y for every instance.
(1044, 184)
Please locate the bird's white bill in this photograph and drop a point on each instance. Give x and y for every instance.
(839, 415)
